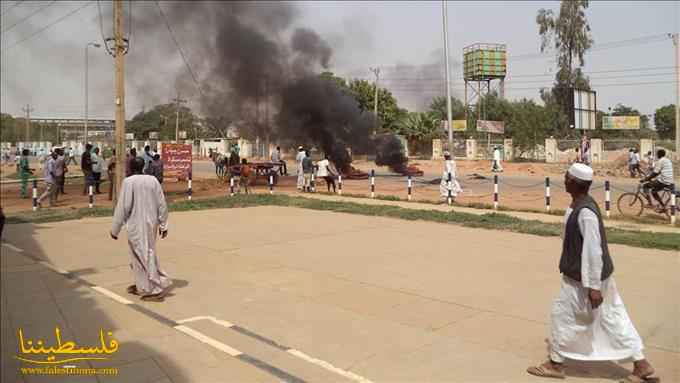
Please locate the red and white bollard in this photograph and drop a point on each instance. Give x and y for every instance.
(547, 194)
(607, 198)
(495, 192)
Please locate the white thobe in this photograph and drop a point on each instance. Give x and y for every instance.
(449, 167)
(141, 205)
(300, 174)
(579, 332)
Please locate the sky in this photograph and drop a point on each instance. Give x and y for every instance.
(632, 61)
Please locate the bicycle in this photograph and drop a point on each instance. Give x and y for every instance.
(633, 204)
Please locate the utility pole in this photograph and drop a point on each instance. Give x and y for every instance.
(376, 72)
(676, 41)
(178, 101)
(28, 111)
(119, 51)
(445, 26)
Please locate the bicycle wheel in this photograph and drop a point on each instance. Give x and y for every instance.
(630, 205)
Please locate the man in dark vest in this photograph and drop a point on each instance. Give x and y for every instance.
(588, 320)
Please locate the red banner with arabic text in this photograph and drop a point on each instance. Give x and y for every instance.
(176, 160)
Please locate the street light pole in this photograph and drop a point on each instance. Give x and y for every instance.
(86, 84)
(676, 41)
(448, 75)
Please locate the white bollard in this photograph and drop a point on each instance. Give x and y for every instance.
(91, 196)
(372, 183)
(547, 194)
(339, 184)
(607, 198)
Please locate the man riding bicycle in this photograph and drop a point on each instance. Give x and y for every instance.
(661, 178)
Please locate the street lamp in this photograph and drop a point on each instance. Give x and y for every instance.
(96, 45)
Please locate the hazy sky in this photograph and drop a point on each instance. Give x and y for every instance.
(47, 70)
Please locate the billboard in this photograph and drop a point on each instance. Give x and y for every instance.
(129, 136)
(620, 122)
(584, 110)
(458, 125)
(176, 160)
(497, 127)
(153, 135)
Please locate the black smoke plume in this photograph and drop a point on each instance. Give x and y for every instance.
(390, 153)
(258, 69)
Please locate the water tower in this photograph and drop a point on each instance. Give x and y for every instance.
(482, 65)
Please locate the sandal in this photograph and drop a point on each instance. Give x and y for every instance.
(153, 297)
(545, 372)
(132, 289)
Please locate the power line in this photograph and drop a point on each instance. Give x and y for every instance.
(179, 48)
(28, 17)
(47, 26)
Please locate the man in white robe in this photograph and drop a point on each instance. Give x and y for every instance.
(588, 320)
(449, 168)
(300, 174)
(141, 206)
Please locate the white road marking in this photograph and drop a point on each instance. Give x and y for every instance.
(321, 363)
(328, 366)
(210, 318)
(208, 340)
(112, 295)
(12, 247)
(54, 268)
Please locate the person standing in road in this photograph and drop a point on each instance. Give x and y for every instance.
(148, 157)
(300, 174)
(156, 168)
(97, 167)
(70, 153)
(86, 167)
(49, 172)
(589, 321)
(278, 159)
(650, 162)
(142, 209)
(128, 163)
(24, 172)
(326, 171)
(496, 164)
(59, 172)
(449, 169)
(307, 170)
(245, 173)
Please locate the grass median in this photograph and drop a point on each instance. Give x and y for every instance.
(491, 221)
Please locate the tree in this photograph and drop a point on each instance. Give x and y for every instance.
(527, 124)
(161, 119)
(339, 81)
(569, 33)
(664, 119)
(438, 109)
(8, 130)
(414, 126)
(388, 110)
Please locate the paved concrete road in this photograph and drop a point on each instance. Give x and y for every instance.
(322, 297)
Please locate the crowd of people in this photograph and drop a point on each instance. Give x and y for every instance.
(55, 167)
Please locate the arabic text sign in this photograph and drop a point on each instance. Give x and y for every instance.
(176, 160)
(620, 122)
(63, 351)
(497, 127)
